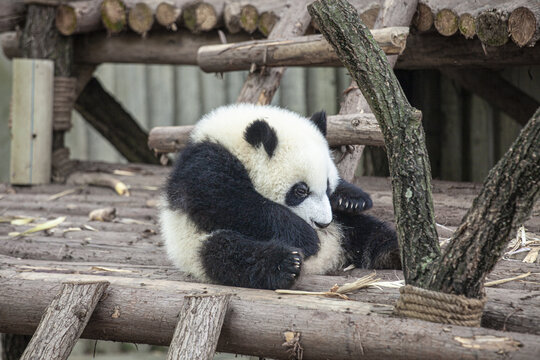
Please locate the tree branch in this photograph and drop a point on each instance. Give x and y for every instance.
(401, 127)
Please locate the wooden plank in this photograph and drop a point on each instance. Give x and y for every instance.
(64, 320)
(292, 92)
(481, 145)
(199, 326)
(188, 95)
(160, 95)
(137, 304)
(32, 119)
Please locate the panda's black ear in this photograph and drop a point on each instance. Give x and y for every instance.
(319, 119)
(259, 132)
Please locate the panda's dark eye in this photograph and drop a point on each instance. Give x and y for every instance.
(301, 190)
(296, 194)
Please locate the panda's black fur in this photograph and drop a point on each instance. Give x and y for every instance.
(219, 227)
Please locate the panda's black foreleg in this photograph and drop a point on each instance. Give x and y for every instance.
(214, 188)
(349, 198)
(369, 243)
(233, 259)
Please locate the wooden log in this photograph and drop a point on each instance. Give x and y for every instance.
(64, 320)
(492, 27)
(311, 50)
(342, 130)
(179, 48)
(467, 26)
(524, 24)
(267, 21)
(135, 306)
(500, 93)
(238, 16)
(199, 17)
(167, 14)
(12, 14)
(113, 15)
(108, 117)
(431, 51)
(32, 119)
(77, 17)
(199, 326)
(413, 203)
(423, 51)
(446, 22)
(140, 18)
(423, 19)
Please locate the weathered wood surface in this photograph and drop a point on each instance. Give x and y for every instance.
(199, 325)
(311, 50)
(12, 14)
(342, 130)
(493, 21)
(64, 320)
(401, 127)
(130, 310)
(510, 306)
(180, 48)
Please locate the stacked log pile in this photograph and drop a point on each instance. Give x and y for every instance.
(494, 22)
(191, 24)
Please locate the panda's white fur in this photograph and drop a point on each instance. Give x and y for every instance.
(302, 154)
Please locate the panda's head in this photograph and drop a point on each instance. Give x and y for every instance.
(286, 155)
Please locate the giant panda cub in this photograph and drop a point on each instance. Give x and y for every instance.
(255, 200)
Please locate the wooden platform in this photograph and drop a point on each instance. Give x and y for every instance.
(129, 252)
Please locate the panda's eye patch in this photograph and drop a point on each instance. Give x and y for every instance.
(296, 194)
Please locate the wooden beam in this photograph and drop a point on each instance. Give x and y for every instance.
(499, 92)
(312, 50)
(348, 129)
(12, 14)
(64, 320)
(423, 51)
(501, 300)
(199, 326)
(109, 118)
(135, 306)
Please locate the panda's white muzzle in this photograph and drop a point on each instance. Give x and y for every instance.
(316, 211)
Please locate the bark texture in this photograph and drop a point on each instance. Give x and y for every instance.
(108, 117)
(402, 130)
(329, 328)
(311, 50)
(64, 321)
(505, 202)
(199, 326)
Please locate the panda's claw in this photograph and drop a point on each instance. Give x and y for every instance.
(295, 253)
(339, 201)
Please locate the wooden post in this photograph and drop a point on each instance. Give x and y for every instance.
(32, 118)
(64, 321)
(199, 326)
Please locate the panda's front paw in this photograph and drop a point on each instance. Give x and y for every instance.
(350, 199)
(285, 268)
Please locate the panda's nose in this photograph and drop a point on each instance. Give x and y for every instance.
(321, 226)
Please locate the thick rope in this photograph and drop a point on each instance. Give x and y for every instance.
(439, 307)
(64, 98)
